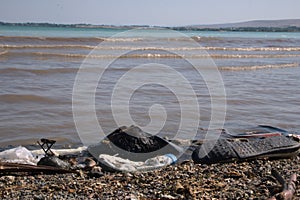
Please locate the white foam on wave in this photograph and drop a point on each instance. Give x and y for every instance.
(257, 67)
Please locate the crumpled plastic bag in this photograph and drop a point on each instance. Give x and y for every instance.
(115, 163)
(19, 155)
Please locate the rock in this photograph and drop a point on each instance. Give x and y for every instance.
(96, 172)
(38, 197)
(179, 188)
(168, 197)
(8, 179)
(90, 162)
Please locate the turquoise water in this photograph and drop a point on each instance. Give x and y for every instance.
(56, 31)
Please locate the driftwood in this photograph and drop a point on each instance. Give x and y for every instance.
(288, 188)
(21, 168)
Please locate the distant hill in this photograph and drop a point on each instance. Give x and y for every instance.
(285, 23)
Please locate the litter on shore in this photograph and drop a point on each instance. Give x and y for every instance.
(131, 150)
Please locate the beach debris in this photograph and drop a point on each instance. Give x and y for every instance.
(228, 150)
(26, 168)
(82, 162)
(54, 162)
(87, 162)
(46, 146)
(288, 188)
(273, 128)
(252, 134)
(51, 159)
(18, 155)
(261, 131)
(115, 163)
(133, 139)
(62, 152)
(134, 144)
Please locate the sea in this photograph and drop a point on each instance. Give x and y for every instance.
(77, 85)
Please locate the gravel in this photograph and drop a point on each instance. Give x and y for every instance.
(246, 180)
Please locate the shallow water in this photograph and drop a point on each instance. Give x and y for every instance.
(38, 68)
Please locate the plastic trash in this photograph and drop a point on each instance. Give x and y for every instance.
(134, 144)
(18, 155)
(167, 159)
(61, 152)
(54, 162)
(115, 163)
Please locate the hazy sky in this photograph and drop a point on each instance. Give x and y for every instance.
(150, 12)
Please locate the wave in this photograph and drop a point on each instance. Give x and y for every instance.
(253, 48)
(39, 71)
(30, 46)
(51, 39)
(244, 40)
(3, 52)
(150, 55)
(230, 56)
(93, 56)
(103, 47)
(122, 39)
(95, 39)
(66, 39)
(92, 39)
(74, 70)
(257, 67)
(19, 98)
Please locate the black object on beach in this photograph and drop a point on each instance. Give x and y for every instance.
(134, 144)
(227, 150)
(46, 146)
(133, 139)
(54, 162)
(50, 159)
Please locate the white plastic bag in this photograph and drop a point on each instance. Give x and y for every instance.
(18, 155)
(119, 164)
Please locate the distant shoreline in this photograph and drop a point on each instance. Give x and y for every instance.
(227, 27)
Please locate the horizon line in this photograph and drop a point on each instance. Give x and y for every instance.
(144, 25)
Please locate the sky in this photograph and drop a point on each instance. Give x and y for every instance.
(147, 12)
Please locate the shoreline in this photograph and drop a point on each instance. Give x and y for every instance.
(285, 25)
(245, 180)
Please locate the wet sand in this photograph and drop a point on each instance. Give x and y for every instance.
(246, 180)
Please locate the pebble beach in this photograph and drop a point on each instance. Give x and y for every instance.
(246, 180)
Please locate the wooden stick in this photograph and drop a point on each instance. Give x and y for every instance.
(288, 193)
(16, 167)
(289, 189)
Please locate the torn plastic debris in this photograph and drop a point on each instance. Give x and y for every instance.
(135, 145)
(115, 163)
(61, 152)
(19, 155)
(54, 162)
